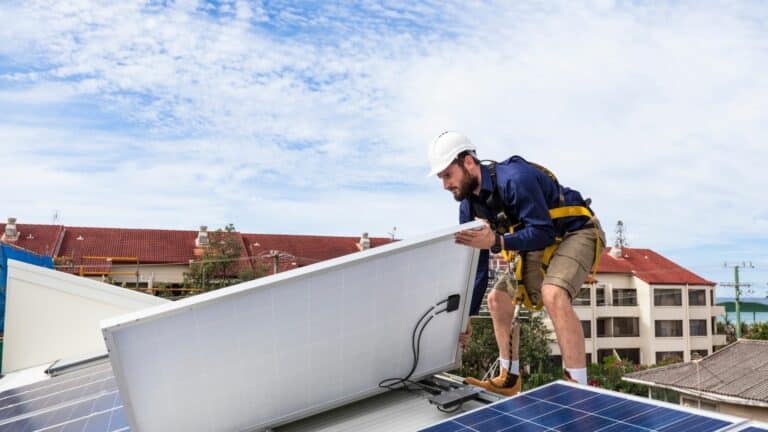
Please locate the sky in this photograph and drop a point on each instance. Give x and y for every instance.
(314, 117)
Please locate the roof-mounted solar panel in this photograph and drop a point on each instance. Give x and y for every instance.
(283, 347)
(565, 407)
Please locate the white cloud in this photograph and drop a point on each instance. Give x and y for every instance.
(269, 116)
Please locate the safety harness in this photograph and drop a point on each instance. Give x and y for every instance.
(506, 222)
(512, 279)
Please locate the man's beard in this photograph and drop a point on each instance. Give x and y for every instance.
(467, 186)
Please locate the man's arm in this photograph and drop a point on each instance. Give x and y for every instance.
(481, 277)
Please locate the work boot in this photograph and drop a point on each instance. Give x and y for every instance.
(506, 384)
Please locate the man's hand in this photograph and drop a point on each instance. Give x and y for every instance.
(465, 336)
(480, 238)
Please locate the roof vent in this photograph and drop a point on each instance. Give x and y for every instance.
(616, 252)
(202, 237)
(10, 234)
(364, 243)
(80, 237)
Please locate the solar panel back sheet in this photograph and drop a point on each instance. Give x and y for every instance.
(566, 407)
(279, 348)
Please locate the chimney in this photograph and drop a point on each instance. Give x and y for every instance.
(616, 252)
(202, 237)
(364, 243)
(11, 234)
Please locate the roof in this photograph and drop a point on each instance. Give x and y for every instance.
(306, 249)
(737, 373)
(149, 245)
(40, 239)
(155, 246)
(649, 266)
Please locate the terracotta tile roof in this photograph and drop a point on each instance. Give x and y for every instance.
(152, 246)
(40, 239)
(649, 266)
(149, 245)
(739, 370)
(303, 249)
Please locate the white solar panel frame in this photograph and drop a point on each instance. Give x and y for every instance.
(157, 354)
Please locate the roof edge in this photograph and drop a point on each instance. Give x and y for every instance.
(702, 394)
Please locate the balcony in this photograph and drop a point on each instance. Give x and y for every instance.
(718, 310)
(617, 311)
(718, 340)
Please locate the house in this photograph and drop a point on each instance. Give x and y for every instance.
(733, 380)
(148, 258)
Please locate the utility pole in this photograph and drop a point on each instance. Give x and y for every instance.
(737, 288)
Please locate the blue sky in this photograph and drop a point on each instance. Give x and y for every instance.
(312, 117)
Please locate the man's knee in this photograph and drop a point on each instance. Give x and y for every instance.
(497, 299)
(554, 296)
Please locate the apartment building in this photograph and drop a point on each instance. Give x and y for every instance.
(647, 309)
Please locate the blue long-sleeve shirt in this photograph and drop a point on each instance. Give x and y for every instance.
(527, 194)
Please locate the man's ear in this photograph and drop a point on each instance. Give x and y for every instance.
(469, 161)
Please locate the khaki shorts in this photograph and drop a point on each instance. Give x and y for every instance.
(569, 266)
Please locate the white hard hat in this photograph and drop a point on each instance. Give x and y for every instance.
(445, 148)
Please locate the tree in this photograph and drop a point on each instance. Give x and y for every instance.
(220, 264)
(608, 375)
(758, 330)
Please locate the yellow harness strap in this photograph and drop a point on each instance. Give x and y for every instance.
(516, 260)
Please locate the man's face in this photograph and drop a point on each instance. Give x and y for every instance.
(458, 180)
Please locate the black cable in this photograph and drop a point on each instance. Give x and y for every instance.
(402, 383)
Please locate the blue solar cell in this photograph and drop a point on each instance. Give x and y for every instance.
(85, 400)
(696, 424)
(658, 418)
(565, 408)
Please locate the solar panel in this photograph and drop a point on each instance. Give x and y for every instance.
(755, 427)
(283, 347)
(569, 407)
(85, 400)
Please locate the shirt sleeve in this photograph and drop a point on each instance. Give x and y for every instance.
(525, 194)
(481, 277)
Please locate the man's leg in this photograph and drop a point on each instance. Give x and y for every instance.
(508, 382)
(500, 305)
(570, 335)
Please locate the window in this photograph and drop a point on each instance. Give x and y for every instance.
(582, 299)
(697, 297)
(624, 297)
(602, 327)
(700, 404)
(631, 354)
(586, 327)
(602, 354)
(697, 354)
(669, 356)
(667, 297)
(589, 359)
(669, 328)
(599, 296)
(626, 327)
(712, 297)
(554, 362)
(698, 327)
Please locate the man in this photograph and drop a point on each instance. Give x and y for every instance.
(525, 195)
